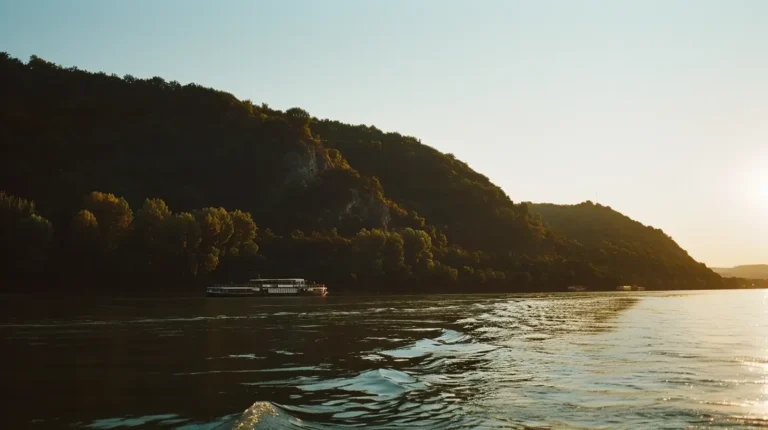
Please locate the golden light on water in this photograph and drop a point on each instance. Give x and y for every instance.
(763, 403)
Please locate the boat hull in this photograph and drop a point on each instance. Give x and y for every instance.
(266, 294)
(282, 287)
(225, 294)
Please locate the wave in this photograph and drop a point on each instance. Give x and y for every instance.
(246, 356)
(377, 383)
(134, 421)
(269, 370)
(285, 352)
(449, 343)
(65, 324)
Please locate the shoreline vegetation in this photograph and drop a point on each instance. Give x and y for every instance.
(114, 183)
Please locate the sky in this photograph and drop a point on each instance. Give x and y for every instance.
(657, 108)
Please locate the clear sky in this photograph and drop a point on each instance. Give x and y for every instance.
(658, 108)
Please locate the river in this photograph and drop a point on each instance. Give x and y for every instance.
(581, 360)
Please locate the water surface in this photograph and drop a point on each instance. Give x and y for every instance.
(578, 360)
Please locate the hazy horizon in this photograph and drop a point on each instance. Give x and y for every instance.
(657, 109)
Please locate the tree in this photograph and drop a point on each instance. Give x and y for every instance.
(393, 255)
(299, 120)
(418, 248)
(244, 232)
(216, 227)
(85, 225)
(152, 214)
(152, 231)
(113, 215)
(26, 236)
(184, 239)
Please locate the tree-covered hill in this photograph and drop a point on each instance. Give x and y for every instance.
(148, 178)
(468, 207)
(615, 243)
(67, 132)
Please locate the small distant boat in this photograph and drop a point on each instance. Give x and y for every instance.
(268, 287)
(629, 288)
(577, 288)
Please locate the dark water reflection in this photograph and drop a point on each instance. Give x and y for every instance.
(569, 360)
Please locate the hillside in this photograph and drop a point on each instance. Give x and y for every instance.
(615, 243)
(752, 271)
(68, 132)
(469, 208)
(147, 178)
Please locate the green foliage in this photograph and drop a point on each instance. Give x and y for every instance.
(194, 146)
(299, 120)
(216, 227)
(113, 216)
(471, 211)
(26, 236)
(185, 237)
(614, 243)
(348, 205)
(243, 235)
(84, 225)
(417, 246)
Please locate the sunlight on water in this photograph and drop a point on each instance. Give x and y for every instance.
(257, 413)
(604, 360)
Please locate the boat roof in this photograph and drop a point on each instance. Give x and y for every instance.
(276, 279)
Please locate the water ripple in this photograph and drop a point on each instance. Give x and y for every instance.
(604, 360)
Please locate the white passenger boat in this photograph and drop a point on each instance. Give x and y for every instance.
(269, 287)
(629, 288)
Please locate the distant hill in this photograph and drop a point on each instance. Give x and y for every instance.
(752, 271)
(240, 188)
(616, 243)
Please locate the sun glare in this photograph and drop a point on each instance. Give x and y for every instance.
(761, 188)
(756, 186)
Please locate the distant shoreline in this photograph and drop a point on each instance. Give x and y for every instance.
(165, 295)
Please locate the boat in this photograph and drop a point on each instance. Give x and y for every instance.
(268, 287)
(577, 288)
(629, 288)
(232, 290)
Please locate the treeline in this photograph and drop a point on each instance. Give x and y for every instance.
(106, 243)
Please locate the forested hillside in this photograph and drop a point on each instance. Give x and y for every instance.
(615, 243)
(135, 179)
(465, 204)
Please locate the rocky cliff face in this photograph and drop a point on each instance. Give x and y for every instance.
(336, 190)
(305, 166)
(368, 208)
